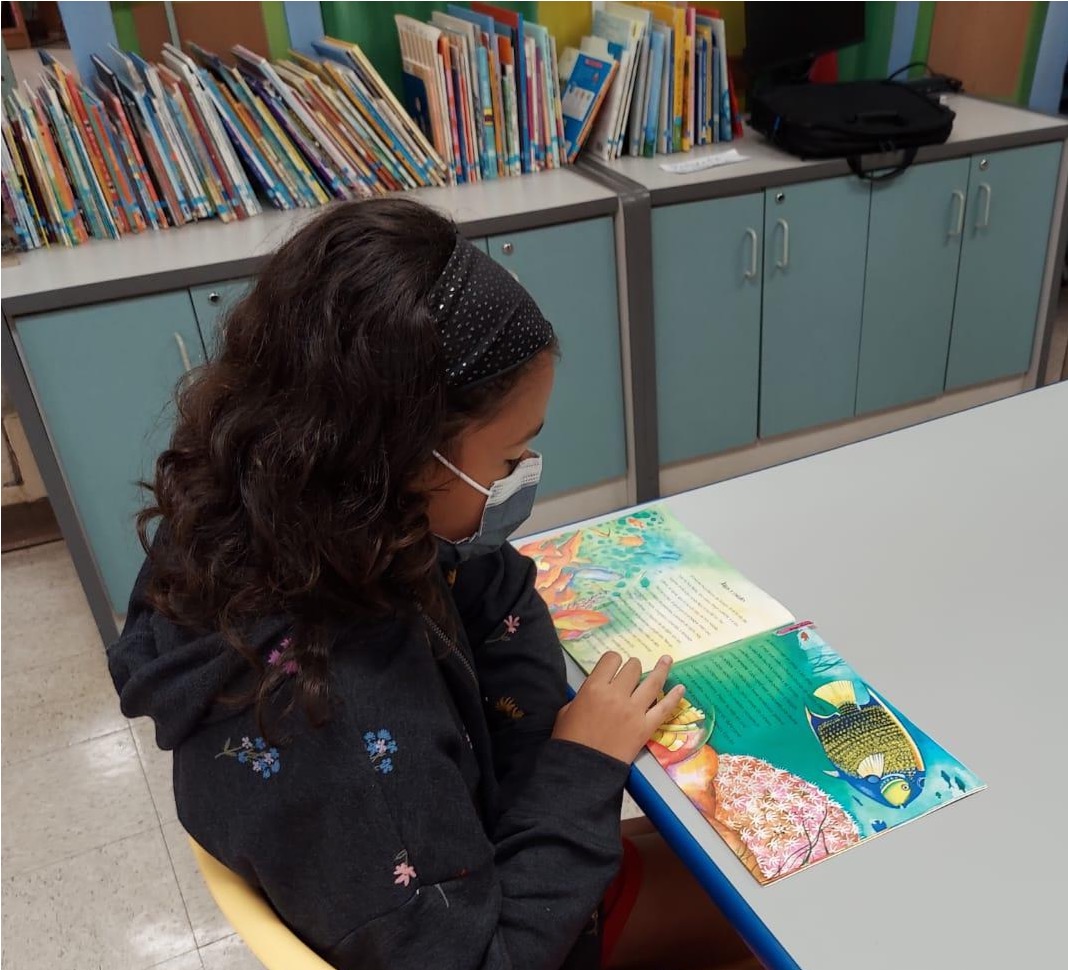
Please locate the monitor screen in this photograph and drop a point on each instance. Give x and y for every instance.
(778, 34)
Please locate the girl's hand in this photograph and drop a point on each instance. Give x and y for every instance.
(615, 711)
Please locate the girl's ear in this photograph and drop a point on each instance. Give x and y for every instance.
(432, 477)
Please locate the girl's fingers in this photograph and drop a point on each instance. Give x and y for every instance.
(605, 668)
(664, 708)
(653, 684)
(628, 676)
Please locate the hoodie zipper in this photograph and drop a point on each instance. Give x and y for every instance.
(453, 646)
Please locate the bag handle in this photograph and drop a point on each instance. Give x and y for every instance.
(908, 156)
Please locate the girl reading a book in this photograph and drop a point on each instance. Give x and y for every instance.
(363, 693)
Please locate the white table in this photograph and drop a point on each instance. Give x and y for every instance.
(935, 560)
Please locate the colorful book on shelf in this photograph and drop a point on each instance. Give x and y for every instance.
(548, 92)
(424, 83)
(628, 32)
(483, 48)
(657, 100)
(674, 18)
(622, 39)
(120, 110)
(377, 103)
(635, 124)
(652, 98)
(510, 23)
(589, 80)
(781, 746)
(465, 37)
(601, 141)
(730, 122)
(689, 112)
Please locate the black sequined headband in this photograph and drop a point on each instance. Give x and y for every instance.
(488, 323)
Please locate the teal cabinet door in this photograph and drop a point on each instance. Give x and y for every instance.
(105, 376)
(211, 303)
(1003, 258)
(815, 239)
(706, 295)
(914, 241)
(570, 270)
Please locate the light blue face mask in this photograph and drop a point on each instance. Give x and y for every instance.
(509, 502)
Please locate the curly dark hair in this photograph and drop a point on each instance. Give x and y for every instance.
(288, 486)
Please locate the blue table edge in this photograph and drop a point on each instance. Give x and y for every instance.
(739, 913)
(720, 889)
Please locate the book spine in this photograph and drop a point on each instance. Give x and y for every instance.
(486, 98)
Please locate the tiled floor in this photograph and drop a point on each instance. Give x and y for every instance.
(97, 874)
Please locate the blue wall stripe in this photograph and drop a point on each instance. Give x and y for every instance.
(305, 22)
(1049, 66)
(905, 18)
(90, 30)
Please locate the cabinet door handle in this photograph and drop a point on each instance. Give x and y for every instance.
(958, 223)
(985, 193)
(751, 273)
(784, 260)
(213, 297)
(187, 364)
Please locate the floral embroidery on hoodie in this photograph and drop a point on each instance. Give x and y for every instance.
(403, 872)
(509, 708)
(511, 628)
(380, 746)
(277, 658)
(262, 758)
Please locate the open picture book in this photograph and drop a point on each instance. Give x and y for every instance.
(787, 753)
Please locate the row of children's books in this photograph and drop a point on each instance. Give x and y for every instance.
(483, 84)
(674, 89)
(152, 145)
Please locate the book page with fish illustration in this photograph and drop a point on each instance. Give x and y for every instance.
(792, 758)
(645, 586)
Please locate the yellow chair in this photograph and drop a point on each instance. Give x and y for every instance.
(252, 918)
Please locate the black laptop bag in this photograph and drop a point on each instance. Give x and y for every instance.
(850, 120)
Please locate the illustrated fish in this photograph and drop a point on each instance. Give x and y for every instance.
(572, 624)
(868, 745)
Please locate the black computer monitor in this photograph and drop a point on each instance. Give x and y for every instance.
(784, 35)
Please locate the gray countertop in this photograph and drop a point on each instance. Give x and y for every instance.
(212, 251)
(979, 126)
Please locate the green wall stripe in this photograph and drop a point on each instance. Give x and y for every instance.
(274, 22)
(125, 27)
(924, 25)
(1030, 52)
(870, 59)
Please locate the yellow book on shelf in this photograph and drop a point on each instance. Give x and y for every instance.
(675, 18)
